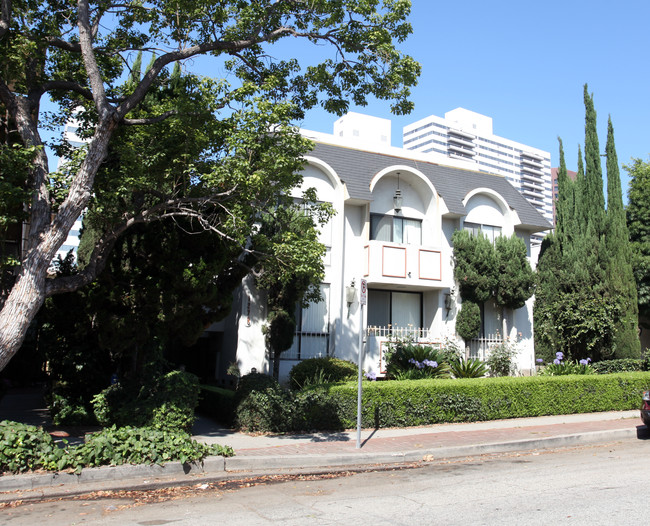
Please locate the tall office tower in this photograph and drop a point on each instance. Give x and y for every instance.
(466, 136)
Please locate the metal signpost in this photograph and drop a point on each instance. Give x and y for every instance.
(363, 300)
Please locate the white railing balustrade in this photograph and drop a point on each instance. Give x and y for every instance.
(400, 333)
(480, 347)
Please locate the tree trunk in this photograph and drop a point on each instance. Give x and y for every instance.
(30, 290)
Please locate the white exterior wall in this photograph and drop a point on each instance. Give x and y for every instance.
(363, 129)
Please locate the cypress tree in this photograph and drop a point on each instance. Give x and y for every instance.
(583, 294)
(565, 213)
(638, 223)
(621, 275)
(594, 202)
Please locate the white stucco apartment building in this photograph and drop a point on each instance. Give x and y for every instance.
(402, 249)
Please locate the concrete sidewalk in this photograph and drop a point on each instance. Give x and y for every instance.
(321, 452)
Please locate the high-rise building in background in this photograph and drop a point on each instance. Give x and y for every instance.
(466, 136)
(72, 241)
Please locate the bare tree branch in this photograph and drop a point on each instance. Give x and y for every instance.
(55, 85)
(90, 62)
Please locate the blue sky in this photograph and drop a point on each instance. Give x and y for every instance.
(525, 64)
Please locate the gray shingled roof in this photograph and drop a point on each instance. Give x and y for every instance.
(356, 168)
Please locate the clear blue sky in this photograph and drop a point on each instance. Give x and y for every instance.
(525, 64)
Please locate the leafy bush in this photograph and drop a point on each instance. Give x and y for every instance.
(253, 382)
(71, 411)
(24, 448)
(408, 361)
(261, 404)
(621, 365)
(500, 361)
(471, 368)
(321, 370)
(130, 445)
(270, 410)
(167, 402)
(450, 351)
(315, 410)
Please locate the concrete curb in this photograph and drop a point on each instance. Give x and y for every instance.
(148, 476)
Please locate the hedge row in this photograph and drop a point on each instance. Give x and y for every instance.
(423, 402)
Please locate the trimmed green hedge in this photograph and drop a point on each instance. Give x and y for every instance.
(423, 402)
(217, 403)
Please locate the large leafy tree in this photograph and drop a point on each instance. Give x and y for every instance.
(79, 55)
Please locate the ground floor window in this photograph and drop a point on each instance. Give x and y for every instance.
(397, 309)
(312, 329)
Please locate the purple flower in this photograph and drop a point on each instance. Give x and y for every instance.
(584, 362)
(540, 360)
(430, 363)
(371, 376)
(557, 361)
(559, 355)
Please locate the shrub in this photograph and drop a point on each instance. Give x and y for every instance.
(262, 405)
(408, 361)
(321, 370)
(253, 382)
(500, 361)
(129, 445)
(24, 448)
(167, 402)
(450, 351)
(316, 410)
(471, 368)
(618, 366)
(71, 411)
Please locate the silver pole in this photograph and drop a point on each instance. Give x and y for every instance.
(360, 376)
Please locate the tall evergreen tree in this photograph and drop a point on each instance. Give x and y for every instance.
(565, 203)
(594, 202)
(621, 276)
(638, 222)
(583, 303)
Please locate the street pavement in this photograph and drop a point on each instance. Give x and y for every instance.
(315, 452)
